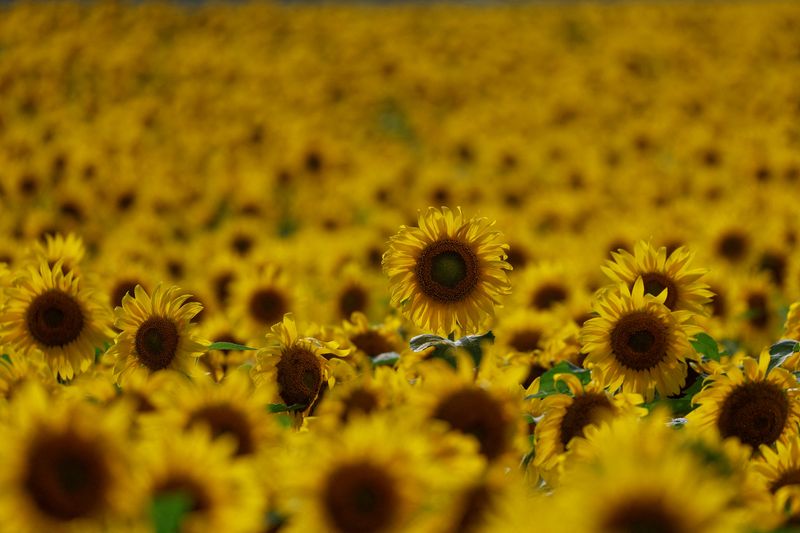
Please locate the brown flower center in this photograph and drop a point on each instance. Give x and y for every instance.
(655, 282)
(361, 498)
(526, 340)
(639, 340)
(733, 246)
(477, 503)
(548, 295)
(758, 310)
(447, 270)
(755, 412)
(359, 401)
(353, 298)
(299, 376)
(54, 318)
(67, 477)
(475, 412)
(121, 288)
(642, 515)
(267, 306)
(225, 419)
(157, 342)
(187, 486)
(371, 342)
(585, 409)
(790, 477)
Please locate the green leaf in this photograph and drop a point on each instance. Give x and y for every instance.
(228, 346)
(423, 342)
(386, 359)
(168, 509)
(548, 385)
(781, 350)
(6, 358)
(679, 406)
(705, 345)
(284, 420)
(283, 408)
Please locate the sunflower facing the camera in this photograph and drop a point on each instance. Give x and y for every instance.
(447, 274)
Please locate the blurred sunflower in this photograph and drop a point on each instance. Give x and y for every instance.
(752, 403)
(155, 333)
(66, 465)
(70, 250)
(261, 300)
(447, 274)
(54, 315)
(778, 469)
(218, 492)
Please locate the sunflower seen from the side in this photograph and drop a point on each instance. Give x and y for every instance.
(638, 343)
(54, 316)
(156, 333)
(777, 471)
(750, 402)
(65, 464)
(660, 270)
(447, 275)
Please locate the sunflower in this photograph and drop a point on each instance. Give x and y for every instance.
(371, 340)
(752, 403)
(260, 301)
(234, 409)
(376, 474)
(295, 364)
(69, 250)
(17, 371)
(638, 343)
(66, 465)
(54, 316)
(219, 362)
(524, 331)
(155, 333)
(778, 470)
(221, 493)
(447, 274)
(665, 499)
(659, 271)
(485, 405)
(546, 286)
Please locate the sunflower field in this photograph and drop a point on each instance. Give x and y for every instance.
(406, 267)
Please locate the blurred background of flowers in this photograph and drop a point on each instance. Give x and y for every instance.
(244, 161)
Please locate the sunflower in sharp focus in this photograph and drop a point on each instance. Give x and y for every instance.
(752, 403)
(155, 333)
(295, 363)
(65, 465)
(447, 274)
(660, 270)
(221, 493)
(53, 315)
(638, 343)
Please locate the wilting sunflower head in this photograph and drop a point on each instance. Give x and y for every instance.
(156, 333)
(54, 316)
(447, 274)
(752, 403)
(66, 464)
(295, 364)
(637, 342)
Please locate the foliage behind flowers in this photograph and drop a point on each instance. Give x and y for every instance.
(415, 268)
